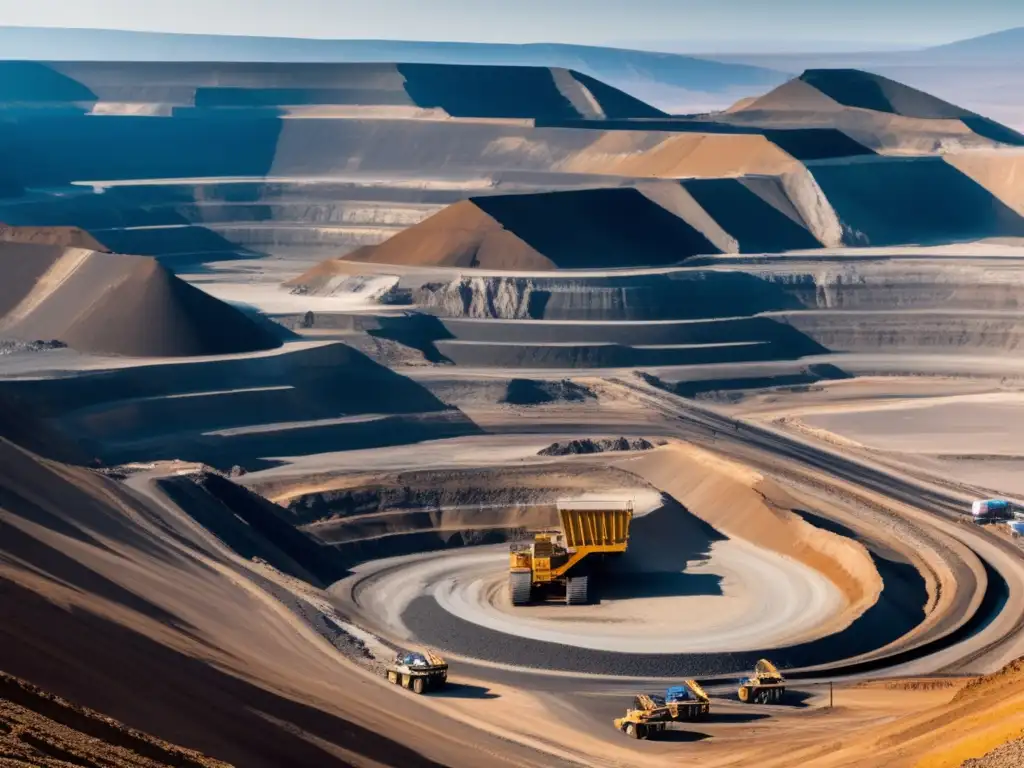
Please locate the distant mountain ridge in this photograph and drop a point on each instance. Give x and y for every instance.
(1006, 44)
(640, 70)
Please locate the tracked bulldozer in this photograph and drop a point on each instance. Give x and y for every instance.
(559, 561)
(766, 686)
(651, 714)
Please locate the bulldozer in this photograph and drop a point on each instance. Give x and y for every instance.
(554, 560)
(418, 671)
(766, 686)
(651, 714)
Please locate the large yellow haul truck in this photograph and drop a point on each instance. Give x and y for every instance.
(554, 560)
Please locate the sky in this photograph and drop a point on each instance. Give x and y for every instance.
(695, 25)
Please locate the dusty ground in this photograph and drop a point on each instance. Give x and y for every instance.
(828, 383)
(39, 729)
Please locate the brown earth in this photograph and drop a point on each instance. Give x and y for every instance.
(125, 606)
(115, 304)
(743, 504)
(37, 728)
(596, 228)
(65, 237)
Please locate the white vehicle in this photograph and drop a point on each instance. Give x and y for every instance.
(992, 509)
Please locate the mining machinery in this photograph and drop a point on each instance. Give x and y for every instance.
(766, 686)
(418, 671)
(559, 561)
(651, 714)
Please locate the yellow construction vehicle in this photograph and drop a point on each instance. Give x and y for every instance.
(554, 559)
(766, 686)
(418, 671)
(650, 714)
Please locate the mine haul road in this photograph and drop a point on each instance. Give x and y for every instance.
(996, 632)
(979, 630)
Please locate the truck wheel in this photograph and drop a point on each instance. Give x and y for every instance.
(418, 685)
(781, 695)
(576, 590)
(631, 731)
(392, 677)
(641, 731)
(405, 681)
(744, 694)
(520, 587)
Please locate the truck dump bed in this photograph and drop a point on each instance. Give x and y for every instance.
(598, 525)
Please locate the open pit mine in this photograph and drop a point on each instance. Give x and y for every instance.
(327, 385)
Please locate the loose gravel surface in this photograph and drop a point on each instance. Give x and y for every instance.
(1009, 755)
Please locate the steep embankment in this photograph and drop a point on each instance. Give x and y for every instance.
(39, 729)
(976, 720)
(243, 410)
(598, 228)
(741, 503)
(122, 305)
(126, 606)
(369, 516)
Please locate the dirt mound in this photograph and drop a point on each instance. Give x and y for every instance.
(830, 89)
(37, 728)
(865, 90)
(113, 304)
(1010, 677)
(589, 445)
(534, 392)
(1010, 755)
(65, 237)
(10, 347)
(598, 228)
(877, 113)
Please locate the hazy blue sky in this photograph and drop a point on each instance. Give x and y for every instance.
(806, 23)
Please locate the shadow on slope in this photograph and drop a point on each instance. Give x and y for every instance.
(663, 545)
(903, 201)
(597, 228)
(136, 147)
(32, 83)
(756, 224)
(865, 90)
(253, 527)
(87, 658)
(516, 92)
(242, 410)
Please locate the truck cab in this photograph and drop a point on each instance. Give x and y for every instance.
(987, 510)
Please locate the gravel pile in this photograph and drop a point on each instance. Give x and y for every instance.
(589, 445)
(10, 346)
(1010, 755)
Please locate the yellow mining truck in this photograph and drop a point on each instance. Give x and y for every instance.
(418, 671)
(650, 714)
(766, 686)
(554, 560)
